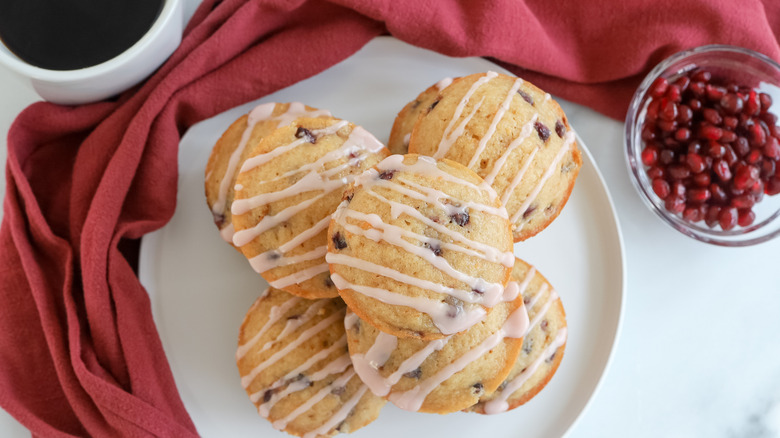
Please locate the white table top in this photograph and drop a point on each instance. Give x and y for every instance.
(698, 354)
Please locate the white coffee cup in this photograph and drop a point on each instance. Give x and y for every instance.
(111, 77)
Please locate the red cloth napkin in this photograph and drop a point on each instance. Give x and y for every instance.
(79, 351)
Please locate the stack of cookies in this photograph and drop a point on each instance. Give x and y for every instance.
(392, 272)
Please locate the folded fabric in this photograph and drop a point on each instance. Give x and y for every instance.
(79, 351)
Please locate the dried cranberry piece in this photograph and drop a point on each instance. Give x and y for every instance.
(304, 133)
(542, 130)
(338, 241)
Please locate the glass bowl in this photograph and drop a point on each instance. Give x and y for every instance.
(733, 64)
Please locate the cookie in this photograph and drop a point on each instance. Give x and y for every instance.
(294, 364)
(286, 190)
(420, 248)
(407, 117)
(513, 135)
(543, 345)
(443, 375)
(232, 148)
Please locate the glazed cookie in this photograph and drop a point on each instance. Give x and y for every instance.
(543, 345)
(513, 135)
(294, 364)
(420, 248)
(407, 117)
(233, 147)
(286, 190)
(443, 375)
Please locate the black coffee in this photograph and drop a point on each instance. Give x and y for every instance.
(73, 34)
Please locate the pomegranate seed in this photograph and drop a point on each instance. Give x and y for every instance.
(701, 76)
(667, 156)
(730, 122)
(682, 134)
(698, 195)
(711, 218)
(648, 133)
(753, 156)
(694, 147)
(652, 110)
(656, 172)
(695, 162)
(678, 189)
(730, 156)
(684, 114)
(766, 101)
(727, 218)
(682, 82)
(711, 115)
(650, 156)
(658, 87)
(667, 125)
(715, 149)
(743, 201)
(710, 132)
(702, 179)
(757, 189)
(746, 217)
(772, 148)
(769, 118)
(697, 88)
(722, 169)
(767, 169)
(731, 103)
(674, 94)
(661, 188)
(753, 104)
(668, 110)
(718, 194)
(745, 176)
(741, 146)
(728, 136)
(757, 135)
(694, 104)
(692, 214)
(678, 171)
(773, 186)
(674, 204)
(714, 92)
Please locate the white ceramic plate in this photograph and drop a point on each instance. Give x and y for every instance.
(201, 288)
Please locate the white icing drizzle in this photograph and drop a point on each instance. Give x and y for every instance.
(320, 355)
(394, 235)
(339, 365)
(293, 324)
(281, 424)
(406, 139)
(262, 264)
(448, 137)
(303, 337)
(442, 84)
(384, 271)
(300, 276)
(274, 315)
(525, 132)
(238, 187)
(448, 140)
(440, 313)
(381, 386)
(499, 403)
(503, 108)
(260, 113)
(532, 300)
(350, 320)
(483, 251)
(426, 193)
(518, 178)
(339, 416)
(227, 232)
(242, 237)
(568, 141)
(514, 327)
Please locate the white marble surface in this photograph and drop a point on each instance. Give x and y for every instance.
(699, 352)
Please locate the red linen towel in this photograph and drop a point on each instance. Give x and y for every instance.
(79, 352)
